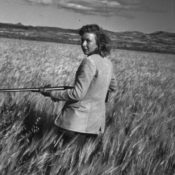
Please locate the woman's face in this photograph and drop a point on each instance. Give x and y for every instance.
(88, 43)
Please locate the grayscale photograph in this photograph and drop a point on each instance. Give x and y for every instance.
(87, 87)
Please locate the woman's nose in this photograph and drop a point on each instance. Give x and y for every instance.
(84, 43)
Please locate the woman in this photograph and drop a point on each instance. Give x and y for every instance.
(84, 111)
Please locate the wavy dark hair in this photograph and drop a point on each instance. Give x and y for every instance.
(103, 41)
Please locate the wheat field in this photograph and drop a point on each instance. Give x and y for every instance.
(140, 126)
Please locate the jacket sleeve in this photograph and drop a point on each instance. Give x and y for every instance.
(112, 88)
(113, 84)
(83, 78)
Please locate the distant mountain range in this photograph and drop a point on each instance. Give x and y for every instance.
(159, 41)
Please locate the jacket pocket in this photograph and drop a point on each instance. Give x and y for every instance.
(81, 106)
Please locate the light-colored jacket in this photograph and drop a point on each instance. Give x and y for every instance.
(84, 110)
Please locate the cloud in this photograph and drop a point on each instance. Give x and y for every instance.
(46, 2)
(98, 7)
(77, 6)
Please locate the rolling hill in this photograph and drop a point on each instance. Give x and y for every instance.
(159, 41)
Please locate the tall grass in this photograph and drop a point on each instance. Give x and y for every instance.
(139, 138)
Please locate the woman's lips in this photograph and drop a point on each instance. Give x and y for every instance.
(85, 50)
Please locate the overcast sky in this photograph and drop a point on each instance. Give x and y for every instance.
(116, 15)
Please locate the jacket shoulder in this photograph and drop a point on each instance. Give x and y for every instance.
(91, 60)
(94, 56)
